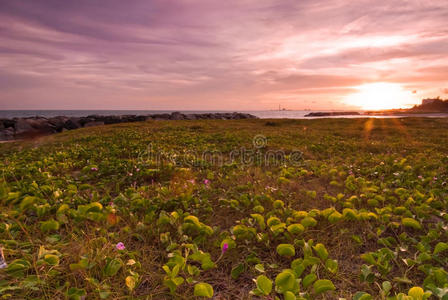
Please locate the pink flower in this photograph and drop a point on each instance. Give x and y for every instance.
(435, 178)
(120, 246)
(192, 181)
(225, 247)
(94, 169)
(420, 177)
(206, 181)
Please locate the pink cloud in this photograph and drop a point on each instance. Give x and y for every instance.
(215, 55)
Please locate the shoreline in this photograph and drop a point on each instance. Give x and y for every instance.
(29, 127)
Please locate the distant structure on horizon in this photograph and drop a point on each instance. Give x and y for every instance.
(432, 105)
(429, 101)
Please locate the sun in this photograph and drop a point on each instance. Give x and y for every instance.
(381, 95)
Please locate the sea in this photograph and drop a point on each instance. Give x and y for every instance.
(262, 114)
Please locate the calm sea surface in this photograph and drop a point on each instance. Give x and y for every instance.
(266, 114)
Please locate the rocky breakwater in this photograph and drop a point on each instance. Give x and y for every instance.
(19, 128)
(333, 114)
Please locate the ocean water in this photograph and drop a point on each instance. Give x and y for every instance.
(263, 114)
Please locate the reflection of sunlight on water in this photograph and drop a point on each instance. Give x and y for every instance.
(381, 95)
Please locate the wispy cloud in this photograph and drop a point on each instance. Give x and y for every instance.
(237, 54)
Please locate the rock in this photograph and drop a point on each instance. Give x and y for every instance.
(58, 123)
(161, 116)
(94, 123)
(72, 123)
(24, 127)
(111, 119)
(333, 113)
(7, 134)
(7, 123)
(32, 126)
(177, 116)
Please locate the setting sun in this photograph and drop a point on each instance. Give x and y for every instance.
(381, 95)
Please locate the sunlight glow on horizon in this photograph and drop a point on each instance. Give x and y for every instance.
(381, 95)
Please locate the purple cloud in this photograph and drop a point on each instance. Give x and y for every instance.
(248, 54)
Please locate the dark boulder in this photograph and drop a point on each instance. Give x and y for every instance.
(72, 123)
(333, 113)
(7, 134)
(94, 123)
(8, 123)
(32, 126)
(161, 116)
(58, 123)
(177, 116)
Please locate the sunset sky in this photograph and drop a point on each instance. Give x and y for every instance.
(222, 55)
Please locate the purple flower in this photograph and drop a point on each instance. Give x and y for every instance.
(225, 247)
(120, 246)
(94, 169)
(206, 181)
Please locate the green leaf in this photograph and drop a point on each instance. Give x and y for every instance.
(112, 266)
(259, 268)
(386, 286)
(331, 265)
(50, 225)
(260, 220)
(409, 222)
(321, 251)
(286, 281)
(264, 285)
(203, 289)
(51, 259)
(309, 222)
(289, 296)
(362, 296)
(178, 280)
(17, 268)
(308, 280)
(323, 285)
(368, 258)
(287, 250)
(440, 247)
(335, 217)
(27, 202)
(236, 271)
(82, 264)
(296, 229)
(75, 293)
